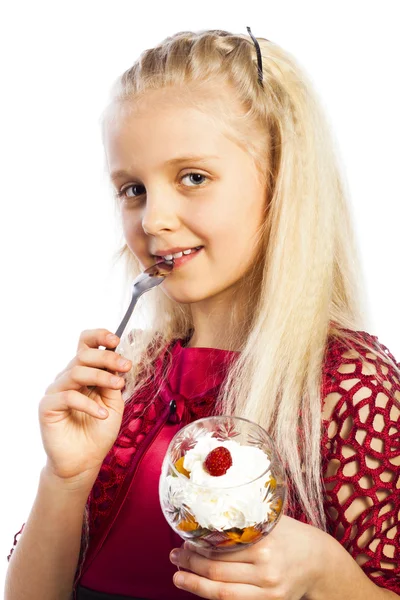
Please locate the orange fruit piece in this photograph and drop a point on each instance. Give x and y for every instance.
(188, 524)
(276, 509)
(180, 468)
(233, 535)
(250, 534)
(226, 543)
(277, 506)
(272, 517)
(271, 483)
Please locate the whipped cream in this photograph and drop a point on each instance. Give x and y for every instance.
(230, 500)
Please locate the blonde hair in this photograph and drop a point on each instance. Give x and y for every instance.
(303, 288)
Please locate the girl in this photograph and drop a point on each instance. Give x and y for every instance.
(220, 156)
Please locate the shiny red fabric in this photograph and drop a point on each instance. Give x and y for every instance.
(134, 558)
(129, 539)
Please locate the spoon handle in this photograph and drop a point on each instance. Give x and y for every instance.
(121, 327)
(135, 296)
(150, 278)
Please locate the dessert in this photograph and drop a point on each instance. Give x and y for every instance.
(221, 493)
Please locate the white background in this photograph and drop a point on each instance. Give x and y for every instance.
(58, 229)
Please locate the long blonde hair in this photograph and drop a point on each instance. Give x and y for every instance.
(304, 287)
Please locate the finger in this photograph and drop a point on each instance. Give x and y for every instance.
(102, 359)
(215, 570)
(80, 376)
(93, 338)
(243, 556)
(98, 358)
(52, 404)
(215, 590)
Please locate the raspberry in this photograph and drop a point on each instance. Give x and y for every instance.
(218, 461)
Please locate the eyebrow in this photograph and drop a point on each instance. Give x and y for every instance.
(121, 173)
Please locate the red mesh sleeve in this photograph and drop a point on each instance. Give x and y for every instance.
(362, 475)
(15, 542)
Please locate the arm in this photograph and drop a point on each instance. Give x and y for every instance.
(76, 438)
(44, 561)
(362, 473)
(344, 579)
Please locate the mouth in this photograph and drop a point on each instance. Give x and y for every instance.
(178, 254)
(179, 258)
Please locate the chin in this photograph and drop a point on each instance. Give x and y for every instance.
(189, 295)
(185, 298)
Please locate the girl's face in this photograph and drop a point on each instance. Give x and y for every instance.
(185, 185)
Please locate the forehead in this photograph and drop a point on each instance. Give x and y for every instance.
(163, 124)
(209, 99)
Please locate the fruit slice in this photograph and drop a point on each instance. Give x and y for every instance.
(188, 524)
(226, 544)
(277, 505)
(233, 535)
(180, 468)
(233, 539)
(276, 510)
(271, 483)
(250, 534)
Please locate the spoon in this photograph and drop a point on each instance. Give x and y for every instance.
(144, 282)
(151, 277)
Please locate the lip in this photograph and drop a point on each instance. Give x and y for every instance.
(179, 262)
(160, 253)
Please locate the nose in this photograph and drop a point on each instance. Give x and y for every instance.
(159, 214)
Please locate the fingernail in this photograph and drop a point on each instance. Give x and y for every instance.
(178, 579)
(112, 338)
(189, 546)
(174, 557)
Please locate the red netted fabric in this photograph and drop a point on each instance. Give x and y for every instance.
(360, 449)
(361, 458)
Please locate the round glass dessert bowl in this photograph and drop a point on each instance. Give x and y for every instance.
(222, 484)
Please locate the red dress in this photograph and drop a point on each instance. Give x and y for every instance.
(129, 538)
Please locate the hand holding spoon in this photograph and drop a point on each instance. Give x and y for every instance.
(150, 278)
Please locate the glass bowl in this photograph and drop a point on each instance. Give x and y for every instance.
(219, 502)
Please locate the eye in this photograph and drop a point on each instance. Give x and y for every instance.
(121, 193)
(136, 194)
(196, 175)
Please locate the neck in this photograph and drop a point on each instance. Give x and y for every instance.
(219, 322)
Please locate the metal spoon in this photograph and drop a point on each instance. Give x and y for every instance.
(145, 281)
(151, 277)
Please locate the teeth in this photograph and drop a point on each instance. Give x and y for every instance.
(179, 254)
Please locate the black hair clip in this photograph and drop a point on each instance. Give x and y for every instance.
(259, 60)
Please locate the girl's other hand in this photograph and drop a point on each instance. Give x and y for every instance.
(286, 564)
(76, 436)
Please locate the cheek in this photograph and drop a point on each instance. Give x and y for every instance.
(237, 226)
(133, 232)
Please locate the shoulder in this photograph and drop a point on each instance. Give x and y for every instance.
(358, 354)
(360, 389)
(359, 372)
(349, 345)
